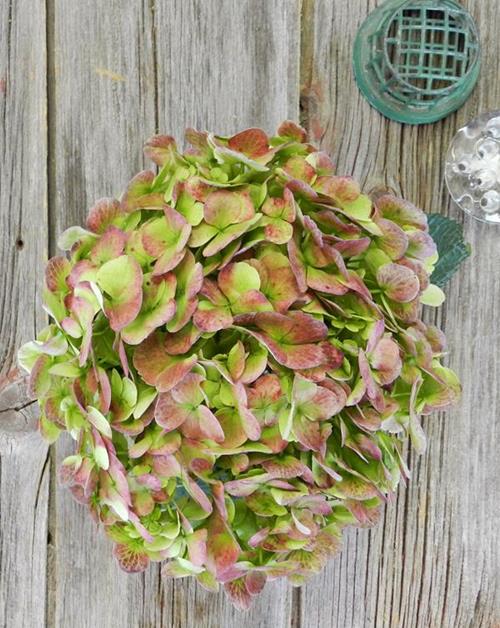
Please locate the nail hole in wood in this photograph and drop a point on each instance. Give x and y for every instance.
(19, 244)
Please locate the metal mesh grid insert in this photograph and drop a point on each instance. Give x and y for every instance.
(416, 61)
(425, 52)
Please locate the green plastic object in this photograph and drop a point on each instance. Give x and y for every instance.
(416, 61)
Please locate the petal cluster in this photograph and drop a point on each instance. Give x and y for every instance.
(236, 349)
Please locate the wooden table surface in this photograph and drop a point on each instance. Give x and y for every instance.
(82, 85)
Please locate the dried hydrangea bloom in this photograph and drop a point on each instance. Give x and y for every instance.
(238, 354)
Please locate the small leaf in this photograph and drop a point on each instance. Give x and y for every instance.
(432, 296)
(449, 238)
(99, 421)
(121, 280)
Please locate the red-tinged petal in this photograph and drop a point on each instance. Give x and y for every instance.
(299, 356)
(130, 560)
(311, 434)
(297, 264)
(321, 162)
(98, 383)
(324, 404)
(166, 466)
(283, 208)
(342, 189)
(285, 468)
(366, 517)
(197, 188)
(232, 426)
(276, 230)
(197, 494)
(250, 424)
(266, 390)
(401, 212)
(237, 592)
(334, 357)
(189, 276)
(39, 380)
(103, 214)
(120, 346)
(399, 282)
(376, 335)
(228, 236)
(406, 312)
(237, 279)
(278, 282)
(203, 424)
(292, 131)
(197, 547)
(251, 301)
(356, 284)
(169, 414)
(298, 168)
(224, 208)
(210, 318)
(332, 222)
(219, 501)
(188, 391)
(236, 360)
(110, 245)
(352, 248)
(367, 446)
(386, 360)
(58, 268)
(255, 582)
(121, 280)
(222, 549)
(182, 341)
(258, 537)
(158, 307)
(157, 367)
(247, 486)
(294, 328)
(210, 290)
(372, 388)
(160, 149)
(421, 246)
(140, 193)
(83, 270)
(143, 503)
(165, 239)
(252, 142)
(394, 240)
(325, 281)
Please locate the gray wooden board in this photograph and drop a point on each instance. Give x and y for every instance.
(105, 76)
(24, 465)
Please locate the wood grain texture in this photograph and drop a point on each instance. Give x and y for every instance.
(434, 560)
(24, 466)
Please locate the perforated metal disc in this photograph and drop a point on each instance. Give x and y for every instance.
(416, 61)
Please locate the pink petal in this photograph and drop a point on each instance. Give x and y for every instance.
(399, 282)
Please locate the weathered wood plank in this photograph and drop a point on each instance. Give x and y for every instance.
(228, 64)
(434, 559)
(102, 108)
(24, 466)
